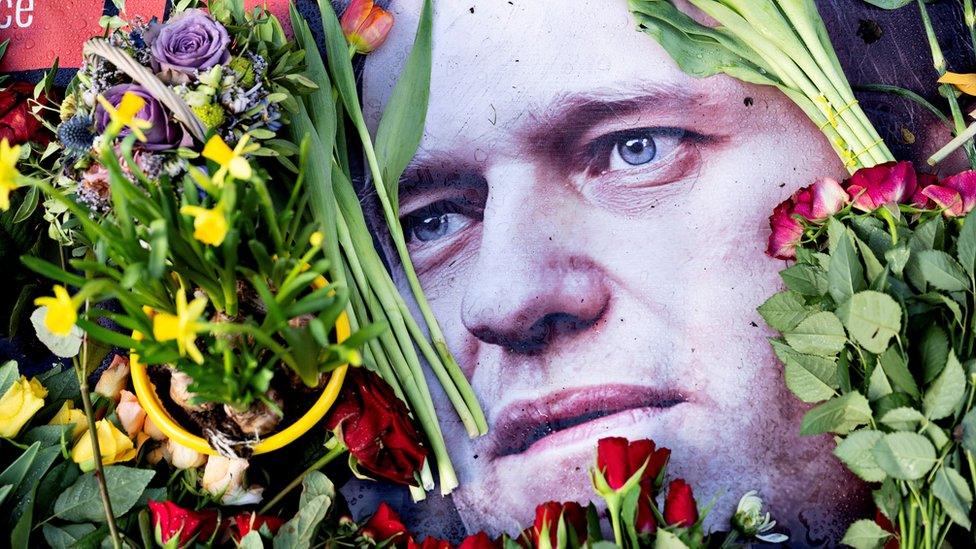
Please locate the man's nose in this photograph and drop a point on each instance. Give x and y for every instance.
(535, 282)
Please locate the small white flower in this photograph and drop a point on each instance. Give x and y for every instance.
(750, 521)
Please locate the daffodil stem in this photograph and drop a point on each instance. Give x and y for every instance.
(80, 371)
(327, 458)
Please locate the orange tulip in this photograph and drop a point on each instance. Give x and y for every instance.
(366, 25)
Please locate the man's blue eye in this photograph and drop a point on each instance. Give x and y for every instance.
(433, 227)
(435, 221)
(636, 150)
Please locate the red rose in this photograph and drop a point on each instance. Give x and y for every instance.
(619, 459)
(17, 123)
(246, 522)
(172, 522)
(547, 518)
(480, 541)
(680, 508)
(384, 525)
(815, 202)
(891, 182)
(374, 424)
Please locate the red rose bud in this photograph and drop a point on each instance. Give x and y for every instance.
(546, 527)
(644, 522)
(480, 541)
(680, 508)
(619, 460)
(366, 25)
(384, 525)
(375, 426)
(888, 183)
(246, 522)
(956, 194)
(17, 123)
(815, 202)
(176, 527)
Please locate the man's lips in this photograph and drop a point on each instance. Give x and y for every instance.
(526, 423)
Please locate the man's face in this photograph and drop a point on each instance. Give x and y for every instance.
(588, 224)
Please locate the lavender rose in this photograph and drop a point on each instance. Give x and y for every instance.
(164, 134)
(189, 42)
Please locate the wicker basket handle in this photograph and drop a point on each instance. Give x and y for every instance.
(143, 76)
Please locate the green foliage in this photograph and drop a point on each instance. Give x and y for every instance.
(888, 364)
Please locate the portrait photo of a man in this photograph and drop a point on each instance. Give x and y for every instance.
(589, 225)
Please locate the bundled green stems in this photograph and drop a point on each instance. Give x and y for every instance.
(336, 208)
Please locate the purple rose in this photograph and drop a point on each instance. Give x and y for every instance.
(189, 42)
(163, 135)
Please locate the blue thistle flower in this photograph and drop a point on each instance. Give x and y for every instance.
(76, 134)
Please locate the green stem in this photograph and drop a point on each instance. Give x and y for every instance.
(969, 17)
(946, 90)
(79, 367)
(393, 222)
(335, 452)
(613, 508)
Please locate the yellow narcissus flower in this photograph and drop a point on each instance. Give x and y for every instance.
(62, 312)
(124, 116)
(69, 415)
(113, 446)
(182, 326)
(209, 225)
(21, 401)
(8, 172)
(231, 161)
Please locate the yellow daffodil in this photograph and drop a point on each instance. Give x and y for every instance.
(69, 415)
(209, 226)
(182, 326)
(124, 116)
(231, 161)
(62, 312)
(21, 401)
(8, 172)
(113, 445)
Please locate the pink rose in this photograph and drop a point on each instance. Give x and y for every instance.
(891, 182)
(786, 232)
(956, 194)
(822, 199)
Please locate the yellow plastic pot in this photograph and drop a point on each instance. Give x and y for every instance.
(150, 402)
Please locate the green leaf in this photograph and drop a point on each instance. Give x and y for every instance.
(874, 268)
(966, 244)
(903, 418)
(872, 319)
(947, 391)
(315, 503)
(904, 456)
(805, 279)
(896, 368)
(53, 484)
(251, 541)
(953, 492)
(811, 378)
(845, 276)
(855, 452)
(4, 491)
(968, 425)
(667, 540)
(838, 415)
(81, 501)
(63, 537)
(15, 473)
(887, 498)
(865, 534)
(783, 311)
(878, 385)
(934, 349)
(942, 271)
(819, 334)
(23, 496)
(402, 124)
(8, 375)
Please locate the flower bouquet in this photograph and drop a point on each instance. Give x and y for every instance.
(876, 321)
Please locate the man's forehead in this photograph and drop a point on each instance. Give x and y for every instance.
(494, 66)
